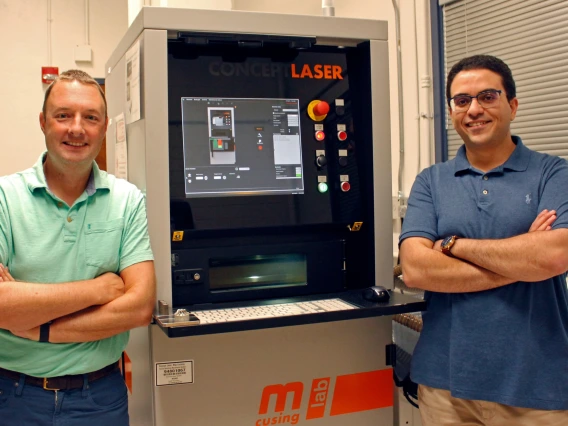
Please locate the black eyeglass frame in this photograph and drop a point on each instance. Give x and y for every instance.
(471, 98)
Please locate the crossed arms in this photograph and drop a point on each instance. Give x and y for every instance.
(82, 310)
(479, 265)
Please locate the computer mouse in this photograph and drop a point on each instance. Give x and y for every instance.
(376, 294)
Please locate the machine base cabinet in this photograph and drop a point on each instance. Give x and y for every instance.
(331, 374)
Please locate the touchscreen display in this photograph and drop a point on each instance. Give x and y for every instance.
(241, 146)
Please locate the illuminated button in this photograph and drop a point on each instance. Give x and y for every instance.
(342, 136)
(196, 276)
(322, 108)
(322, 187)
(345, 186)
(320, 136)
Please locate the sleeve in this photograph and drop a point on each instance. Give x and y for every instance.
(421, 218)
(136, 241)
(554, 191)
(5, 231)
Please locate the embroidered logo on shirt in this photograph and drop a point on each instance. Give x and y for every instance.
(528, 198)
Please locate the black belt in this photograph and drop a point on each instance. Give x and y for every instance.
(73, 381)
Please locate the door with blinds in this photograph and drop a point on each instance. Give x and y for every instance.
(531, 36)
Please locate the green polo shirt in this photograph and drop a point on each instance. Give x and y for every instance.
(43, 240)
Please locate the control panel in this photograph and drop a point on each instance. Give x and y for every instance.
(270, 166)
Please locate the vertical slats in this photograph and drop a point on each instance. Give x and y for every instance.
(531, 37)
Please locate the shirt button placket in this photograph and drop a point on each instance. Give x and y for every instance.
(70, 227)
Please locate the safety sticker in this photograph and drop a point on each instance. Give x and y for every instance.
(177, 236)
(174, 373)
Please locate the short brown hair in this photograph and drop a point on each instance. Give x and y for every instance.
(74, 75)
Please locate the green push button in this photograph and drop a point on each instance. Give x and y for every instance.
(322, 187)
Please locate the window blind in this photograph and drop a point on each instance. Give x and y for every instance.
(531, 37)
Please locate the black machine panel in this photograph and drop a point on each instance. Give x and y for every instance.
(270, 167)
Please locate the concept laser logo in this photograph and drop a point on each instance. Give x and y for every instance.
(349, 393)
(272, 70)
(328, 72)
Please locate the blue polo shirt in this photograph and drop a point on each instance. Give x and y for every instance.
(43, 240)
(507, 345)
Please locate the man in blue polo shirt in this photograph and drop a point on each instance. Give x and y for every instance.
(486, 237)
(76, 271)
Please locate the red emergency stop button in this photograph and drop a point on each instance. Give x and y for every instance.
(320, 136)
(321, 108)
(342, 135)
(317, 110)
(345, 186)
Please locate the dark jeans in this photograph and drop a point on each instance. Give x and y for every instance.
(103, 402)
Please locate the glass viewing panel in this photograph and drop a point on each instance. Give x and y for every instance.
(253, 272)
(241, 146)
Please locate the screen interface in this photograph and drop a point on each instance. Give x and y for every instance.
(241, 146)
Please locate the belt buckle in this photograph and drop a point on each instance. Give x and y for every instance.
(45, 379)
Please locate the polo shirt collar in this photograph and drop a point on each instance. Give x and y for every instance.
(36, 179)
(518, 161)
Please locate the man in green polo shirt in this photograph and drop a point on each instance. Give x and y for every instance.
(76, 271)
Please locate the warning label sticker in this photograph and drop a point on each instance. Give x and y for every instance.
(174, 373)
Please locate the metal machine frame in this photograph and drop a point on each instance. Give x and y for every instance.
(229, 367)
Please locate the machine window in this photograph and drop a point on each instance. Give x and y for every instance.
(265, 271)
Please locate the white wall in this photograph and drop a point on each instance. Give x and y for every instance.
(134, 6)
(24, 50)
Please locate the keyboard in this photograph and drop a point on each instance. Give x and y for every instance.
(271, 311)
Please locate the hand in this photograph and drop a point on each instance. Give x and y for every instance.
(32, 334)
(543, 221)
(5, 274)
(112, 287)
(438, 246)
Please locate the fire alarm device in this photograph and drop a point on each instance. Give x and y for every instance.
(49, 74)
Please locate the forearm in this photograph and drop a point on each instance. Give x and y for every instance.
(27, 305)
(101, 322)
(531, 257)
(133, 309)
(428, 269)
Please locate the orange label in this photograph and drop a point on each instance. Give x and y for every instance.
(350, 393)
(318, 398)
(126, 369)
(327, 72)
(362, 392)
(281, 392)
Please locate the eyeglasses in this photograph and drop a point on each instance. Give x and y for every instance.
(487, 99)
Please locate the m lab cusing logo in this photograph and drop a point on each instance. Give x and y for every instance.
(349, 394)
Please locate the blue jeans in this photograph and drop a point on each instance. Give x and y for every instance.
(103, 402)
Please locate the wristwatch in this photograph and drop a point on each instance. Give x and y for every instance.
(447, 244)
(44, 332)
